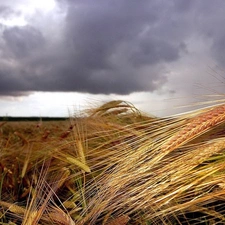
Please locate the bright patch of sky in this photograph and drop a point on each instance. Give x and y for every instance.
(26, 10)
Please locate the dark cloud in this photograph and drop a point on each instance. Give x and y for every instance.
(12, 84)
(106, 47)
(23, 41)
(182, 6)
(152, 50)
(218, 50)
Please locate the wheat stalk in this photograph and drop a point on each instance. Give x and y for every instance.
(197, 126)
(120, 220)
(60, 217)
(12, 207)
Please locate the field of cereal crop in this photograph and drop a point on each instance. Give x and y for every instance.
(115, 165)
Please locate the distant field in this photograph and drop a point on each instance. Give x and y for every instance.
(32, 118)
(114, 166)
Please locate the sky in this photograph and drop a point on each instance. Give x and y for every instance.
(62, 56)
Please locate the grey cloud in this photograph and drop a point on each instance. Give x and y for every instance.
(208, 20)
(7, 12)
(23, 41)
(94, 31)
(213, 29)
(106, 46)
(183, 5)
(153, 51)
(218, 48)
(11, 84)
(4, 11)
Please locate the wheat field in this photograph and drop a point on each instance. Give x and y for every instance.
(114, 165)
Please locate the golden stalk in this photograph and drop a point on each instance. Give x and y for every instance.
(196, 126)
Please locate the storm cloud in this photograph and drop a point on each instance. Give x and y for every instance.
(119, 47)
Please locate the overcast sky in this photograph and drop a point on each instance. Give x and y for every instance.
(57, 56)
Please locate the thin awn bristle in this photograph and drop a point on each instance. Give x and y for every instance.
(196, 126)
(194, 158)
(114, 164)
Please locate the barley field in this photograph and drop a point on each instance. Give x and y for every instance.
(114, 166)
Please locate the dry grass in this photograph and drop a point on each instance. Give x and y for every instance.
(115, 166)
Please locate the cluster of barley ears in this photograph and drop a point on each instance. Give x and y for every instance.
(115, 165)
